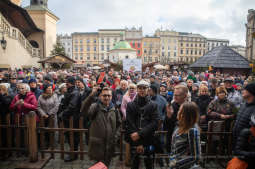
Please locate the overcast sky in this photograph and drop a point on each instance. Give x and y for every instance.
(211, 18)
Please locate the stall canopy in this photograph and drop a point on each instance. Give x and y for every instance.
(59, 60)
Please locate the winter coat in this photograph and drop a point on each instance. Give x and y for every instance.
(5, 102)
(125, 100)
(48, 106)
(245, 147)
(161, 102)
(202, 102)
(30, 104)
(142, 117)
(104, 129)
(70, 104)
(243, 119)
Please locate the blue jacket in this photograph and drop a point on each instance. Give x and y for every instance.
(161, 102)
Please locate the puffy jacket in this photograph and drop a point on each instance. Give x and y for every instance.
(243, 119)
(30, 104)
(142, 117)
(245, 147)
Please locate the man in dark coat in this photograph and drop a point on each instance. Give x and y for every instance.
(70, 106)
(142, 121)
(104, 125)
(244, 114)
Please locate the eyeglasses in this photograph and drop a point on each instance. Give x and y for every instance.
(132, 88)
(107, 95)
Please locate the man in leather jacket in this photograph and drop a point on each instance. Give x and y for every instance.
(142, 121)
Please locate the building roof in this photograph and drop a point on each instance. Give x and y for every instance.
(122, 45)
(40, 8)
(219, 40)
(57, 59)
(222, 57)
(18, 17)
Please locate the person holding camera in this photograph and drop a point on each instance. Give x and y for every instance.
(105, 122)
(141, 123)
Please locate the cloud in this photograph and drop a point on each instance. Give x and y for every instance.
(211, 18)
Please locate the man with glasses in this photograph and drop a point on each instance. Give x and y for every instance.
(104, 127)
(142, 121)
(180, 96)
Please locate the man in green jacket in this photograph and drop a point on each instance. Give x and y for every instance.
(104, 125)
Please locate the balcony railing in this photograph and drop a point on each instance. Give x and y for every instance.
(14, 33)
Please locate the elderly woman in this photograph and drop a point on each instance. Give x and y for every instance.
(221, 109)
(48, 104)
(128, 97)
(24, 102)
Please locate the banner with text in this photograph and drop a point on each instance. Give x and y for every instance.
(132, 65)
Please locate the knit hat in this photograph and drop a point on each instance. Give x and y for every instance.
(32, 81)
(45, 86)
(250, 88)
(71, 80)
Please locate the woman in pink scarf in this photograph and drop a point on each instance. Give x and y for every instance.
(128, 97)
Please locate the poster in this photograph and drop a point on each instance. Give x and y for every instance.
(132, 65)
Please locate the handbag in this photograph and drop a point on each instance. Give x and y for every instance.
(236, 163)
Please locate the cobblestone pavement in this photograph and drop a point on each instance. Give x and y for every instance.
(58, 163)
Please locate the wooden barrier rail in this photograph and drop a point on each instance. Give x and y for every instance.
(47, 137)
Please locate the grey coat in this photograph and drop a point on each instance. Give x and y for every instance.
(48, 106)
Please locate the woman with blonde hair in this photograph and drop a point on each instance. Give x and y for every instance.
(186, 147)
(128, 97)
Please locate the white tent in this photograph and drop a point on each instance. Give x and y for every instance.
(159, 67)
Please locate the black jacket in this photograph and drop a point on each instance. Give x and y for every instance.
(245, 148)
(202, 102)
(243, 119)
(70, 104)
(5, 102)
(142, 117)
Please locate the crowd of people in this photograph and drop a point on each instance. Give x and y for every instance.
(182, 103)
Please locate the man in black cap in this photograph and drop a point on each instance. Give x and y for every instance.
(70, 107)
(244, 114)
(33, 88)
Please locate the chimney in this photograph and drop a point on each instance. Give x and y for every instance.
(16, 2)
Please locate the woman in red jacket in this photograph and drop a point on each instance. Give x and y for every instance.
(24, 102)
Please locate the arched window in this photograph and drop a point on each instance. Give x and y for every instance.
(34, 44)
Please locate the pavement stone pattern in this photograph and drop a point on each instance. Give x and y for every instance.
(57, 163)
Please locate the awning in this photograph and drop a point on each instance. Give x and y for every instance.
(5, 66)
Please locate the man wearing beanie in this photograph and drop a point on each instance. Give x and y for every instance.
(244, 114)
(141, 123)
(34, 88)
(70, 107)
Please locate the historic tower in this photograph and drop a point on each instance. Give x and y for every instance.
(46, 21)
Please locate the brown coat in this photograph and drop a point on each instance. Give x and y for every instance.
(104, 130)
